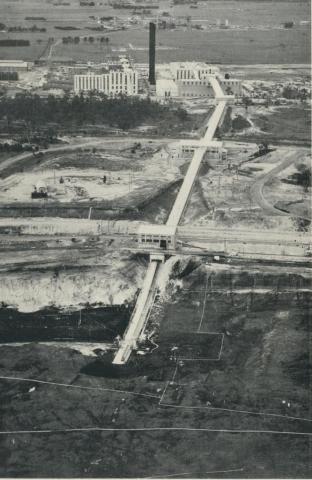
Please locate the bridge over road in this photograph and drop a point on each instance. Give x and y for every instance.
(144, 301)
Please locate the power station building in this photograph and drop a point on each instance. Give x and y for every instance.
(123, 80)
(192, 79)
(186, 79)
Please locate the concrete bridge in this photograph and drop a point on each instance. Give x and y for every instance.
(144, 301)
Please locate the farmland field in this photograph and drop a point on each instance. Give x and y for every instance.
(257, 34)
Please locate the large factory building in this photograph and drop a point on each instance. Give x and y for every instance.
(192, 79)
(113, 82)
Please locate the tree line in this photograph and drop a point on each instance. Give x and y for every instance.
(76, 40)
(10, 42)
(33, 29)
(122, 112)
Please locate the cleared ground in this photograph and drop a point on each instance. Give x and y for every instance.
(225, 195)
(137, 172)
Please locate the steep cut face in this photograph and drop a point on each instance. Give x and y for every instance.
(152, 53)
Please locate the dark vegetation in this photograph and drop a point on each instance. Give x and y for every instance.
(284, 125)
(67, 40)
(66, 27)
(41, 19)
(240, 123)
(10, 42)
(231, 124)
(76, 40)
(122, 112)
(293, 93)
(302, 224)
(288, 24)
(302, 177)
(32, 29)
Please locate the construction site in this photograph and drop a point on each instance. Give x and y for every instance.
(155, 298)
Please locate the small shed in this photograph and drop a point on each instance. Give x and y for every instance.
(40, 190)
(41, 187)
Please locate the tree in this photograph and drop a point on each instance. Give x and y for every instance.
(290, 92)
(303, 177)
(303, 94)
(247, 102)
(182, 114)
(263, 148)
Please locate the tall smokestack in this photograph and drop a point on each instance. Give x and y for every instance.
(152, 53)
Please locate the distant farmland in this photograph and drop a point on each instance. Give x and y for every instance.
(257, 35)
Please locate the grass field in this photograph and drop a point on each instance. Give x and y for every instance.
(292, 124)
(289, 124)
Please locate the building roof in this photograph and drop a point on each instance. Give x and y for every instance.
(198, 143)
(13, 63)
(41, 184)
(193, 66)
(150, 229)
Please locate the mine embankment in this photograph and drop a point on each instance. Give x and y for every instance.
(155, 207)
(253, 336)
(227, 356)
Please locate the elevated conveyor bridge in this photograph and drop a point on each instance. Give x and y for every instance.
(144, 301)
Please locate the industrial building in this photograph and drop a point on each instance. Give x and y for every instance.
(159, 236)
(192, 79)
(14, 66)
(187, 79)
(114, 80)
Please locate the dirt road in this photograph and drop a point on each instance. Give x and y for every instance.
(11, 161)
(256, 189)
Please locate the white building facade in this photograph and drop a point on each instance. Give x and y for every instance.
(111, 83)
(14, 66)
(192, 79)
